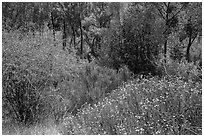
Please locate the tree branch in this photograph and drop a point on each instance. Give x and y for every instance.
(194, 38)
(165, 4)
(159, 11)
(177, 12)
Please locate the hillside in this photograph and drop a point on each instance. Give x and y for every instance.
(90, 68)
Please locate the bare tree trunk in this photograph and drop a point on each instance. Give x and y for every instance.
(188, 50)
(190, 42)
(81, 38)
(165, 43)
(53, 29)
(54, 36)
(74, 37)
(165, 49)
(64, 36)
(166, 31)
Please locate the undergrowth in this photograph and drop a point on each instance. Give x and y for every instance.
(50, 91)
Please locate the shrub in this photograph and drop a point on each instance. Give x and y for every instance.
(186, 71)
(20, 98)
(53, 82)
(92, 82)
(176, 52)
(144, 106)
(30, 71)
(166, 105)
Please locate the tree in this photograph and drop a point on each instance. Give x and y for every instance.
(140, 38)
(192, 25)
(55, 18)
(169, 13)
(14, 15)
(24, 16)
(95, 25)
(73, 14)
(39, 16)
(132, 38)
(176, 53)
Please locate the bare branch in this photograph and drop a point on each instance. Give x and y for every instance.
(165, 10)
(194, 38)
(177, 12)
(165, 4)
(159, 11)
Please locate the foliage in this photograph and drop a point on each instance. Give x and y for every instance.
(52, 78)
(24, 16)
(19, 97)
(93, 82)
(142, 39)
(144, 106)
(190, 26)
(176, 53)
(112, 79)
(23, 79)
(188, 72)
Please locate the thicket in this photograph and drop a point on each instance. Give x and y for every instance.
(143, 106)
(40, 82)
(107, 75)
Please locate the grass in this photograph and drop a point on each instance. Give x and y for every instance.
(50, 91)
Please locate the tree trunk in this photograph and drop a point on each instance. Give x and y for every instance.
(64, 36)
(165, 43)
(81, 38)
(165, 49)
(74, 37)
(190, 42)
(54, 37)
(188, 50)
(166, 32)
(53, 29)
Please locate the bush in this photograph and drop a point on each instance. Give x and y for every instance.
(30, 75)
(92, 83)
(51, 77)
(167, 104)
(176, 53)
(21, 100)
(143, 106)
(42, 82)
(183, 69)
